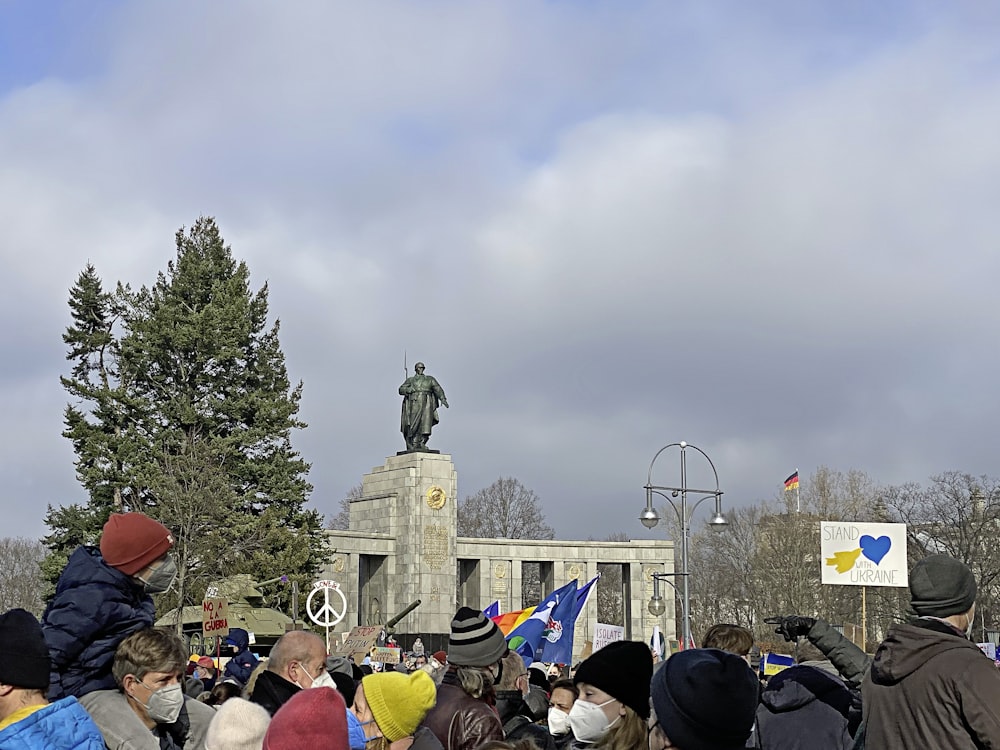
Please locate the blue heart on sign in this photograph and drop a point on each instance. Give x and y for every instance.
(875, 549)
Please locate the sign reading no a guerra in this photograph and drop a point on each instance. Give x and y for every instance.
(863, 554)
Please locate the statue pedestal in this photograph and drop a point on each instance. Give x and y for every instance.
(413, 499)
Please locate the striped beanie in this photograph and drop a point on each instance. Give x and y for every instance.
(475, 641)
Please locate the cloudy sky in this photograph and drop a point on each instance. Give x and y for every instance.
(769, 229)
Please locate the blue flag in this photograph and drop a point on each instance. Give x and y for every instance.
(493, 610)
(556, 645)
(527, 637)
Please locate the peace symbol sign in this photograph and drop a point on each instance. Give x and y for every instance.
(329, 614)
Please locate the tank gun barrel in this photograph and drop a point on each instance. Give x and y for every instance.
(269, 581)
(390, 627)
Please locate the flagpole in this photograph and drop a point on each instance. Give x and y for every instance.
(798, 505)
(864, 620)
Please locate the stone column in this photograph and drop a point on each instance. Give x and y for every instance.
(414, 499)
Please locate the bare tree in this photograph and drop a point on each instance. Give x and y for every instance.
(342, 521)
(610, 588)
(20, 575)
(959, 515)
(504, 510)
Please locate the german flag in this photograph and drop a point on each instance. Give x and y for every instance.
(792, 483)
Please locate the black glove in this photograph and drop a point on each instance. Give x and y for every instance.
(791, 626)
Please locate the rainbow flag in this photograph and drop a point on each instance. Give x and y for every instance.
(510, 620)
(792, 483)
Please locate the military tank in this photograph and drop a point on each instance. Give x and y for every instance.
(247, 610)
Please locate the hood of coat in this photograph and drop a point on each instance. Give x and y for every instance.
(793, 688)
(910, 646)
(239, 638)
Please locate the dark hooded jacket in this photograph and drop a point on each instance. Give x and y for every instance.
(930, 687)
(243, 663)
(804, 707)
(94, 609)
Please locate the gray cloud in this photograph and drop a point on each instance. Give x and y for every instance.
(776, 244)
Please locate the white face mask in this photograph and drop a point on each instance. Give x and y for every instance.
(558, 721)
(588, 721)
(164, 705)
(323, 679)
(968, 628)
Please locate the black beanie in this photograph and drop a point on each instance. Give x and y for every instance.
(941, 586)
(705, 699)
(24, 657)
(622, 670)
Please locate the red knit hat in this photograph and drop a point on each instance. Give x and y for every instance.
(131, 541)
(312, 718)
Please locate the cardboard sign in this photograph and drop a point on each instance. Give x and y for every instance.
(386, 655)
(215, 617)
(863, 554)
(605, 634)
(359, 642)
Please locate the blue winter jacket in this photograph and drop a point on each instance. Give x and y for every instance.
(95, 608)
(243, 663)
(62, 725)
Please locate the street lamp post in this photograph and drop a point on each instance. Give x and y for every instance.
(650, 518)
(657, 606)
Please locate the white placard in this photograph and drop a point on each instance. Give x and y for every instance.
(863, 554)
(605, 634)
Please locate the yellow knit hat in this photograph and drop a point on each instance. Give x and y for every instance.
(399, 701)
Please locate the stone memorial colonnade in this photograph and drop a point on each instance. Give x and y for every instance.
(402, 546)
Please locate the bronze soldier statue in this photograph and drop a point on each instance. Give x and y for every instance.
(421, 395)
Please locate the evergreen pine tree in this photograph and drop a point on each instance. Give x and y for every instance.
(186, 414)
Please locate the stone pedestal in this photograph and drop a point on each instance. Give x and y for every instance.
(413, 498)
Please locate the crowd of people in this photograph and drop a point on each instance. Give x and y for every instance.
(95, 673)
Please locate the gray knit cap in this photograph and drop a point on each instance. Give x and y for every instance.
(475, 641)
(941, 586)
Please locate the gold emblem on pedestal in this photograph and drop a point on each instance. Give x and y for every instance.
(338, 565)
(436, 498)
(500, 570)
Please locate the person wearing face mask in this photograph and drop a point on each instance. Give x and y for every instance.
(243, 662)
(463, 718)
(518, 719)
(613, 706)
(297, 662)
(389, 708)
(103, 596)
(149, 710)
(929, 684)
(564, 695)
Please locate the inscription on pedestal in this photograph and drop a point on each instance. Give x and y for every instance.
(435, 550)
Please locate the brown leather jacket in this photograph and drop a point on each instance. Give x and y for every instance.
(460, 721)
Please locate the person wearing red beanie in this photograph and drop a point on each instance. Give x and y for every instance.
(102, 597)
(315, 718)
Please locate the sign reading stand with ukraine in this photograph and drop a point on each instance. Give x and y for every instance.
(863, 554)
